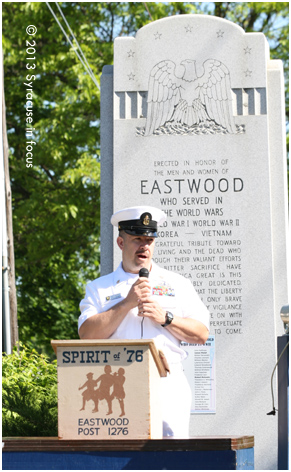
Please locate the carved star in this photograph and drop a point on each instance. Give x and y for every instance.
(158, 35)
(247, 50)
(130, 53)
(188, 28)
(131, 76)
(248, 73)
(220, 33)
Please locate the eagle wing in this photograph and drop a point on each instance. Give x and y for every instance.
(163, 95)
(215, 93)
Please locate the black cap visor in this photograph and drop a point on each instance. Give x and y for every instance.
(136, 228)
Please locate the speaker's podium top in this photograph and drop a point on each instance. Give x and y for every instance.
(109, 389)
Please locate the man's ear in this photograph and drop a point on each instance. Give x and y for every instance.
(120, 242)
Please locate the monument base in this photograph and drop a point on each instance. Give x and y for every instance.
(201, 453)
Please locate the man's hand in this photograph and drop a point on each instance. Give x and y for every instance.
(140, 290)
(184, 329)
(150, 308)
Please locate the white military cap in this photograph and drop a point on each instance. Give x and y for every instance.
(139, 220)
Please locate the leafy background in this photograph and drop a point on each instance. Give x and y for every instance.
(29, 394)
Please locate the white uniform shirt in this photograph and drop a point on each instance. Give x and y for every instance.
(173, 292)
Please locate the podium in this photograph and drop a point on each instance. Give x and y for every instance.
(109, 389)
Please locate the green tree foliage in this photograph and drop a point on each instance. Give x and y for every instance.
(270, 18)
(29, 394)
(56, 202)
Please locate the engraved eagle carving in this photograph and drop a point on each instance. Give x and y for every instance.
(177, 95)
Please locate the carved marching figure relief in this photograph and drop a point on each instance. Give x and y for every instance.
(89, 393)
(118, 390)
(107, 381)
(177, 96)
(103, 392)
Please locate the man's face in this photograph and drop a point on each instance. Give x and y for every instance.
(137, 252)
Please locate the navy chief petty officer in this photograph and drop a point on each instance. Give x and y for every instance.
(164, 307)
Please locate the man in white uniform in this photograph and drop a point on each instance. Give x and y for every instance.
(164, 307)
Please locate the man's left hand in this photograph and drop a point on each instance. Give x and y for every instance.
(184, 329)
(151, 309)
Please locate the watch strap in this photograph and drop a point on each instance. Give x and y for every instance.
(169, 319)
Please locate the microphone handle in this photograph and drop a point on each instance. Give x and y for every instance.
(143, 273)
(141, 328)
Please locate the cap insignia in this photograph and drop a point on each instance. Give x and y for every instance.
(146, 219)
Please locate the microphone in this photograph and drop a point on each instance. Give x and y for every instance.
(143, 273)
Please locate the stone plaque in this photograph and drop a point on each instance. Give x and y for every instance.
(198, 131)
(108, 390)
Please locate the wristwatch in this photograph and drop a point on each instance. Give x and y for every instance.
(169, 318)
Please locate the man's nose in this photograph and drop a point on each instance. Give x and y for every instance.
(144, 243)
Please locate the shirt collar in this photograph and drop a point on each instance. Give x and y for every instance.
(121, 276)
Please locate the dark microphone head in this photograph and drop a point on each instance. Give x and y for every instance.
(143, 272)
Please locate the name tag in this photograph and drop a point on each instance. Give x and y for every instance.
(113, 297)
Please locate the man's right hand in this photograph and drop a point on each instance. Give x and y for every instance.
(139, 291)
